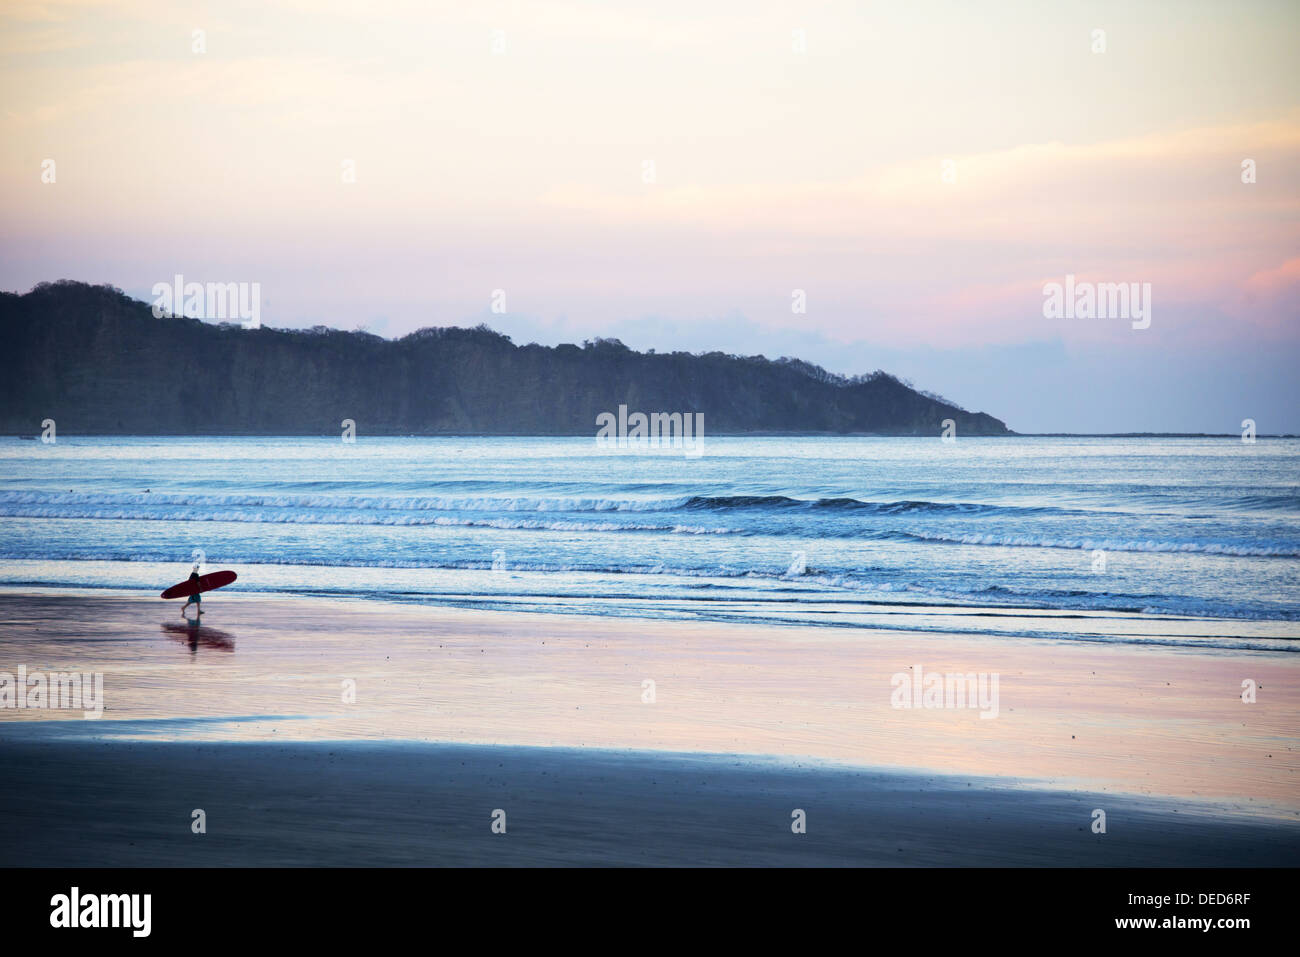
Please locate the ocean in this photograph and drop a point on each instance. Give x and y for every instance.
(873, 533)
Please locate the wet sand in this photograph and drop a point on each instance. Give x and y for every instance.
(547, 717)
(381, 804)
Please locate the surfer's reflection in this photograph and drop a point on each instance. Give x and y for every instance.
(194, 634)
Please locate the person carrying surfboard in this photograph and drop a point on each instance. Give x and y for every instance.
(198, 602)
(190, 588)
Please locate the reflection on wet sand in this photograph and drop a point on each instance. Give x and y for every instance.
(194, 635)
(1083, 715)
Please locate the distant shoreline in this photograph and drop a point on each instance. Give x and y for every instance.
(175, 375)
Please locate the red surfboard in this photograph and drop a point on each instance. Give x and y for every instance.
(203, 583)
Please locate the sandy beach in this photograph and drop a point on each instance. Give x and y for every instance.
(353, 732)
(360, 804)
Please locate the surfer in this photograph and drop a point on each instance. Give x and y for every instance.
(190, 588)
(198, 602)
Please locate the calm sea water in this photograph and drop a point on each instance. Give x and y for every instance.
(807, 530)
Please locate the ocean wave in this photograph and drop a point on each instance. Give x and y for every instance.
(1272, 550)
(408, 503)
(813, 585)
(900, 507)
(73, 504)
(287, 517)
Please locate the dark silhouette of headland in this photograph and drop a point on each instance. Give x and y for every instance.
(99, 362)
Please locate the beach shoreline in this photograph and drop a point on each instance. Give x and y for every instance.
(458, 717)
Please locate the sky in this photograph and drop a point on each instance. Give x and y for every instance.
(684, 175)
